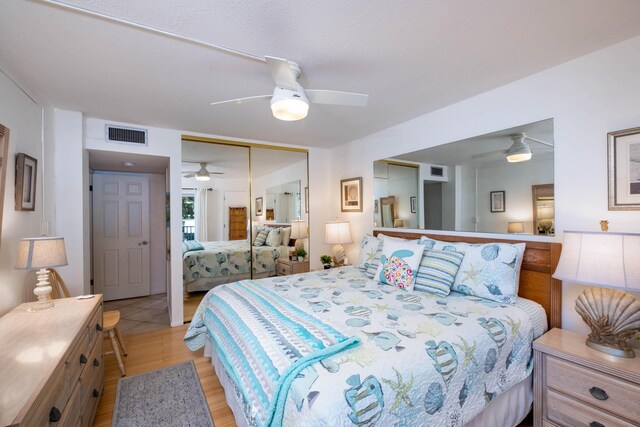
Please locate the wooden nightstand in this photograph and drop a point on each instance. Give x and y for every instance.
(284, 267)
(577, 386)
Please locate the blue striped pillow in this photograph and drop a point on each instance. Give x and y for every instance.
(437, 271)
(191, 245)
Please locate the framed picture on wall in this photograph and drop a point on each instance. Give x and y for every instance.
(351, 195)
(414, 204)
(26, 172)
(496, 201)
(306, 199)
(258, 206)
(624, 169)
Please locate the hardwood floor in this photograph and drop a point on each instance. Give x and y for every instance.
(164, 347)
(191, 303)
(154, 350)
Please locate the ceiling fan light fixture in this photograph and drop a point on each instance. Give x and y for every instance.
(519, 150)
(289, 105)
(203, 174)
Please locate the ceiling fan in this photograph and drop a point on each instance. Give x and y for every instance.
(202, 174)
(290, 101)
(519, 151)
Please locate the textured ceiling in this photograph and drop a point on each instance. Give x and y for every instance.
(412, 57)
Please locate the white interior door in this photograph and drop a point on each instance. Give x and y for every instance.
(121, 235)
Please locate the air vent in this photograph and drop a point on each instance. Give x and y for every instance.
(437, 171)
(123, 135)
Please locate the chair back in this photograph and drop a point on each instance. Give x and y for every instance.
(59, 288)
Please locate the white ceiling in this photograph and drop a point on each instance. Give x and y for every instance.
(412, 57)
(115, 161)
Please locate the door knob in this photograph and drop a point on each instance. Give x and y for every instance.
(143, 243)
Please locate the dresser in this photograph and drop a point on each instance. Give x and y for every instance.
(51, 364)
(575, 385)
(284, 267)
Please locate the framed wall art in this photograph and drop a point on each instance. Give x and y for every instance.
(26, 173)
(259, 206)
(351, 195)
(624, 169)
(496, 201)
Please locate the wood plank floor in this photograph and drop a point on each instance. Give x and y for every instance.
(191, 303)
(156, 349)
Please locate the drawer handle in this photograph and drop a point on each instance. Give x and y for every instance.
(83, 359)
(98, 327)
(599, 394)
(96, 362)
(96, 393)
(596, 424)
(54, 415)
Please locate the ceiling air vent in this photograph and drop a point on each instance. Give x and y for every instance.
(437, 171)
(123, 135)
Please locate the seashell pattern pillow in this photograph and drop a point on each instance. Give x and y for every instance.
(488, 270)
(399, 263)
(274, 238)
(369, 245)
(374, 262)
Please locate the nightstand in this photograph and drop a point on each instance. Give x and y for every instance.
(575, 385)
(284, 267)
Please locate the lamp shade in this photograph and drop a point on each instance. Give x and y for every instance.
(515, 227)
(545, 212)
(337, 233)
(42, 252)
(299, 229)
(600, 259)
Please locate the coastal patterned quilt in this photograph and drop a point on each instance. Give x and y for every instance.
(228, 258)
(422, 360)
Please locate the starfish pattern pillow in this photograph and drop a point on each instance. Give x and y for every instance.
(399, 263)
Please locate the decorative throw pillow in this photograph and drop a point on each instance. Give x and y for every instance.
(488, 270)
(374, 263)
(191, 245)
(261, 237)
(437, 271)
(399, 263)
(274, 238)
(368, 248)
(286, 235)
(256, 229)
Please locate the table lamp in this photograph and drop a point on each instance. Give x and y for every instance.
(337, 233)
(41, 253)
(299, 231)
(398, 223)
(604, 259)
(515, 227)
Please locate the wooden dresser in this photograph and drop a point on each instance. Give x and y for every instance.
(577, 386)
(285, 267)
(51, 364)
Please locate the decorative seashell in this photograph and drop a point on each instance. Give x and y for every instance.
(490, 252)
(490, 361)
(612, 315)
(338, 254)
(449, 248)
(434, 399)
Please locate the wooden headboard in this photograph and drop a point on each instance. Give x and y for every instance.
(539, 263)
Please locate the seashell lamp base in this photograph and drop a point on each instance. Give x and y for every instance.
(337, 253)
(613, 316)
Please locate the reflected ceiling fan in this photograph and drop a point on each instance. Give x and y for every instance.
(202, 174)
(290, 101)
(520, 151)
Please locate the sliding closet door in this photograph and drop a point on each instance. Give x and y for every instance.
(279, 200)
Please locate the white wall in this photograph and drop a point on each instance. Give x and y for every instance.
(23, 117)
(587, 98)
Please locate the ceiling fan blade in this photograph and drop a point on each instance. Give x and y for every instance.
(281, 72)
(490, 155)
(190, 175)
(216, 173)
(242, 101)
(335, 97)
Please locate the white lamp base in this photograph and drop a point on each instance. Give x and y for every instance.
(43, 292)
(337, 253)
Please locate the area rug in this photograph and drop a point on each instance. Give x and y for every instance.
(170, 396)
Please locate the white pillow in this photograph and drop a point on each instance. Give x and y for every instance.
(274, 238)
(368, 248)
(286, 235)
(399, 263)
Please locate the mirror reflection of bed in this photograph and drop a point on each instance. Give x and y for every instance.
(220, 222)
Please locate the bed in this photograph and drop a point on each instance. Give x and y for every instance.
(400, 358)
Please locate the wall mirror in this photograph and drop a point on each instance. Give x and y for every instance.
(500, 182)
(230, 193)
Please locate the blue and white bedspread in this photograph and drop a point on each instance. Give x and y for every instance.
(264, 343)
(423, 360)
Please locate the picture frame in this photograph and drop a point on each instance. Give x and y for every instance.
(414, 204)
(306, 199)
(376, 206)
(259, 204)
(497, 201)
(623, 164)
(351, 195)
(26, 174)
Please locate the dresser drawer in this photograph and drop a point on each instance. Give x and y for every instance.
(95, 327)
(283, 269)
(53, 403)
(92, 370)
(594, 388)
(79, 357)
(71, 415)
(568, 412)
(91, 399)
